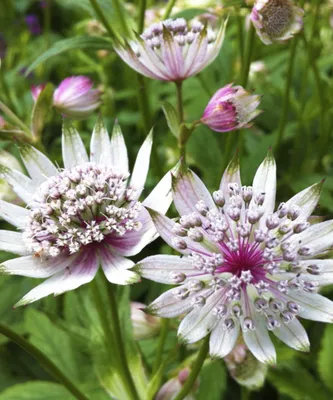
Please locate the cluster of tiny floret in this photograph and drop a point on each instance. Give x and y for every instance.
(277, 16)
(183, 33)
(232, 249)
(80, 206)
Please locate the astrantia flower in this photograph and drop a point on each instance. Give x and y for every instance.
(230, 108)
(276, 20)
(75, 98)
(144, 325)
(245, 267)
(81, 217)
(172, 50)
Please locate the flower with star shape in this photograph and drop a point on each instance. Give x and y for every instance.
(81, 217)
(245, 269)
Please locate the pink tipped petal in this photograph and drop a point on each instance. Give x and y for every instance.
(81, 271)
(35, 91)
(116, 268)
(160, 198)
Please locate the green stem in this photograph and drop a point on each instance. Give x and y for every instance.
(119, 11)
(44, 361)
(240, 22)
(112, 337)
(180, 109)
(285, 106)
(47, 23)
(160, 346)
(119, 340)
(143, 100)
(196, 368)
(141, 23)
(169, 9)
(248, 55)
(245, 393)
(101, 16)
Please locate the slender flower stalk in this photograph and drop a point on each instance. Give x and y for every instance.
(245, 268)
(196, 368)
(44, 361)
(169, 8)
(81, 217)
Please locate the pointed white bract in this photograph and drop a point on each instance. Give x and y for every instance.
(276, 20)
(172, 50)
(245, 269)
(82, 217)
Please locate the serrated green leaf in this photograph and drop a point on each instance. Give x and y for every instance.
(41, 110)
(172, 118)
(79, 42)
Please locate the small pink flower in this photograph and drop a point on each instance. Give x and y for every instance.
(276, 20)
(75, 98)
(171, 388)
(230, 108)
(144, 325)
(35, 91)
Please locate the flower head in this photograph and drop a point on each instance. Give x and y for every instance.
(276, 20)
(245, 267)
(231, 107)
(172, 50)
(82, 216)
(75, 98)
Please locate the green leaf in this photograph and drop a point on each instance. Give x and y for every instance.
(36, 391)
(325, 358)
(41, 110)
(297, 382)
(79, 42)
(53, 341)
(213, 380)
(172, 118)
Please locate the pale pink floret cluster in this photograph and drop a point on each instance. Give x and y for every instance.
(276, 20)
(231, 107)
(82, 217)
(172, 50)
(244, 267)
(74, 97)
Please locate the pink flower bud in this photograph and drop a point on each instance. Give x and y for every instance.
(171, 388)
(230, 108)
(276, 20)
(2, 122)
(144, 325)
(75, 98)
(35, 91)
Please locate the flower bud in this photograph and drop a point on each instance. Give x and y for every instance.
(171, 388)
(230, 108)
(35, 91)
(245, 368)
(33, 24)
(144, 325)
(75, 98)
(276, 20)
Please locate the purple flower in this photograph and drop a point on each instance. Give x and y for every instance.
(33, 24)
(172, 50)
(230, 108)
(35, 91)
(81, 217)
(75, 98)
(276, 20)
(244, 267)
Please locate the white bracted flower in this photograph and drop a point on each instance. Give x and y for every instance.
(172, 50)
(81, 217)
(244, 267)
